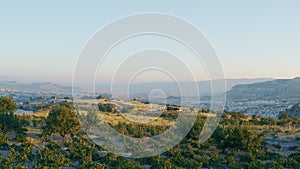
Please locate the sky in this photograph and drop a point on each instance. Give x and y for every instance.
(41, 41)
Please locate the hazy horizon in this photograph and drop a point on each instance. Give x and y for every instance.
(12, 79)
(253, 39)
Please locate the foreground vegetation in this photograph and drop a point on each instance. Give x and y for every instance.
(53, 138)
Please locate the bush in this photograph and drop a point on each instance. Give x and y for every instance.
(3, 139)
(52, 157)
(107, 107)
(172, 108)
(62, 120)
(8, 121)
(238, 137)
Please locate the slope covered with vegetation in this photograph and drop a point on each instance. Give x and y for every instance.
(53, 138)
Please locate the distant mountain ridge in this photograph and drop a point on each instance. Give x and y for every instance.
(137, 89)
(267, 99)
(275, 89)
(171, 88)
(5, 78)
(41, 87)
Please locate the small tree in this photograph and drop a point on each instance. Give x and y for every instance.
(7, 118)
(107, 107)
(7, 105)
(62, 120)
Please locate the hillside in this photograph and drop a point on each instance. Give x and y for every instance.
(238, 141)
(277, 89)
(266, 98)
(294, 111)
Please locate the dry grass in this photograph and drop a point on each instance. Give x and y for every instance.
(31, 130)
(33, 141)
(41, 113)
(115, 119)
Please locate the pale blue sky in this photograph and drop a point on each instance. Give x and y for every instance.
(40, 40)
